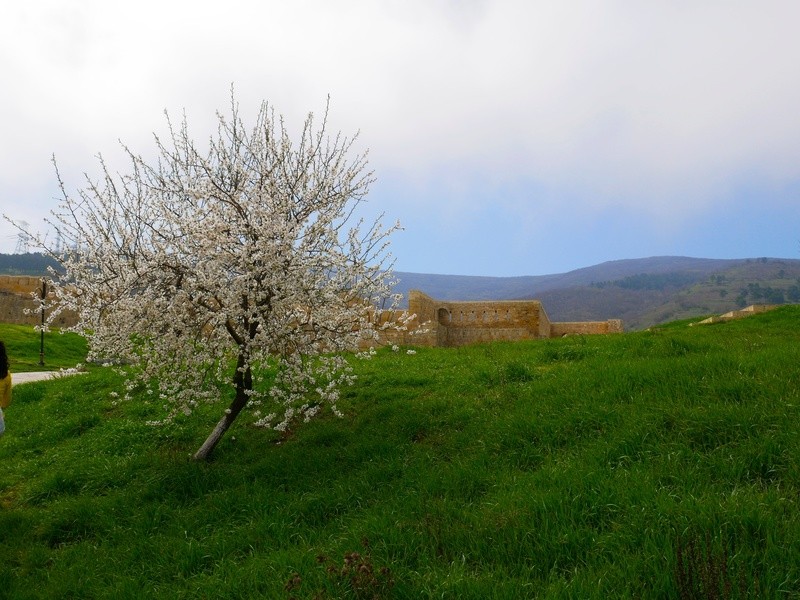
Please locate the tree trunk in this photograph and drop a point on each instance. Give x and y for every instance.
(244, 383)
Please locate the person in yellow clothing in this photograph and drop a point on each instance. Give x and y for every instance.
(5, 385)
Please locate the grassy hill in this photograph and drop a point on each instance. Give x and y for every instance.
(459, 287)
(25, 264)
(642, 292)
(656, 464)
(23, 343)
(651, 298)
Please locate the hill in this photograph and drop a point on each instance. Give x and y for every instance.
(642, 292)
(33, 264)
(655, 464)
(458, 287)
(649, 299)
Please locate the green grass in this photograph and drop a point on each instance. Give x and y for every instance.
(23, 344)
(657, 464)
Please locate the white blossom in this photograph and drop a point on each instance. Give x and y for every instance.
(225, 266)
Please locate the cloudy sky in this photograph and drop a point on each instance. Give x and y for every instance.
(509, 137)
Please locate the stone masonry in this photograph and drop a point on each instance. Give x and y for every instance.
(16, 295)
(754, 309)
(443, 323)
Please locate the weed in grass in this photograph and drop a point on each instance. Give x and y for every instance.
(505, 374)
(564, 352)
(356, 578)
(294, 583)
(74, 521)
(704, 570)
(517, 372)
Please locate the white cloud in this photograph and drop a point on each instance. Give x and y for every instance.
(661, 107)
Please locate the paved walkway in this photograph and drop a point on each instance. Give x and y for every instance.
(17, 378)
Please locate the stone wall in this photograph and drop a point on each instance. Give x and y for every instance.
(753, 309)
(586, 328)
(443, 323)
(16, 295)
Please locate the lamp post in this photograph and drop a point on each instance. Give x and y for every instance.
(41, 343)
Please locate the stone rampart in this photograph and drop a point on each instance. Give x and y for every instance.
(753, 309)
(17, 296)
(15, 284)
(586, 328)
(443, 323)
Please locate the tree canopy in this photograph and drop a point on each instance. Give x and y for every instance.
(244, 264)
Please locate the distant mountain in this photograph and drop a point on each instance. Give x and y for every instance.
(33, 264)
(642, 292)
(465, 287)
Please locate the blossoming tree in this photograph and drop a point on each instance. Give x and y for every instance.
(240, 265)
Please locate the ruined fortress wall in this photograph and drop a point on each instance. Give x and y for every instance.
(14, 284)
(12, 309)
(16, 295)
(460, 323)
(441, 323)
(421, 305)
(474, 335)
(545, 326)
(586, 328)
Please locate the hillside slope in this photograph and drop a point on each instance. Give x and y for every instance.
(462, 287)
(646, 300)
(654, 464)
(642, 292)
(25, 264)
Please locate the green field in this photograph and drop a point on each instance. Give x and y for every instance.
(24, 346)
(657, 464)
